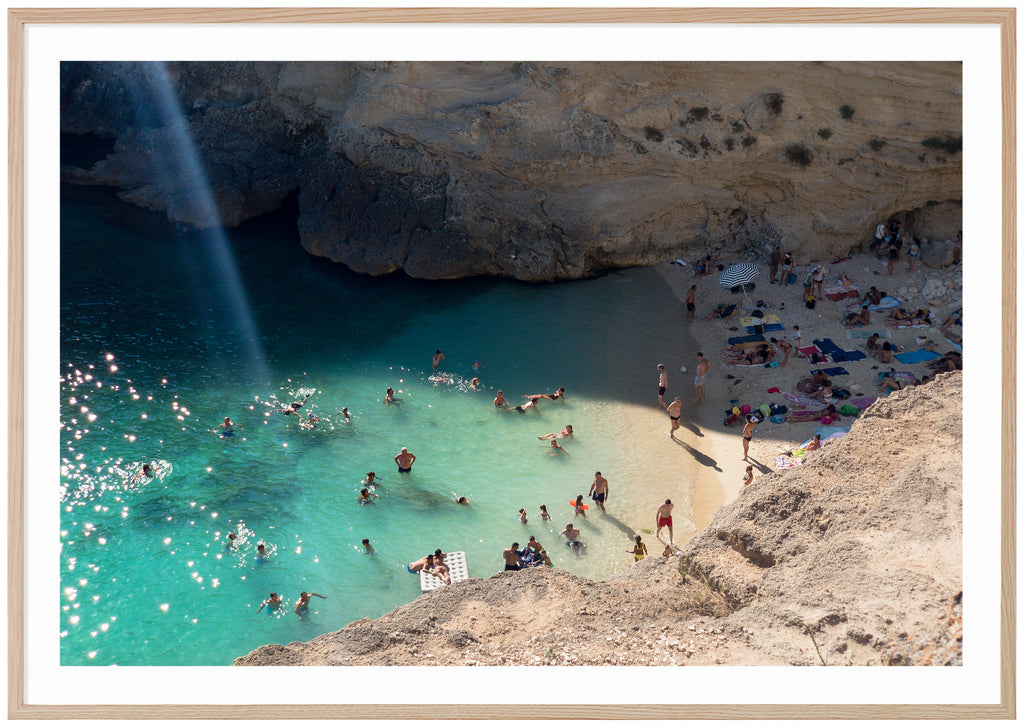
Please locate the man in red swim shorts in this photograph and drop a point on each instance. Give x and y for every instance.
(665, 520)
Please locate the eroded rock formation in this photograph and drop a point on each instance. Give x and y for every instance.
(536, 171)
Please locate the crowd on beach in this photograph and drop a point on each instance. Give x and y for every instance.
(818, 394)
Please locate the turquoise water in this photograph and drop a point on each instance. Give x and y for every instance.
(164, 332)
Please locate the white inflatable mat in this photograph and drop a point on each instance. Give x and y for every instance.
(457, 569)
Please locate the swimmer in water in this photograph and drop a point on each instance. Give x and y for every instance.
(262, 553)
(544, 513)
(310, 422)
(272, 604)
(531, 404)
(302, 606)
(389, 396)
(232, 537)
(438, 358)
(461, 501)
(567, 432)
(499, 400)
(522, 515)
(294, 407)
(559, 394)
(367, 548)
(579, 507)
(228, 426)
(367, 496)
(475, 384)
(558, 447)
(344, 413)
(148, 471)
(371, 480)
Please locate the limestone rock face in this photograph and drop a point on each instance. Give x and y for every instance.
(537, 171)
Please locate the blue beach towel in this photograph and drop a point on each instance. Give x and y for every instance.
(834, 371)
(884, 304)
(827, 432)
(841, 356)
(913, 357)
(827, 345)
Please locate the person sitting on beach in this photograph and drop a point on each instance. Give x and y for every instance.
(511, 556)
(723, 310)
(895, 384)
(953, 319)
(874, 296)
(854, 319)
(872, 343)
(639, 550)
(302, 605)
(366, 496)
(952, 361)
(829, 412)
(819, 378)
(567, 432)
(271, 604)
(785, 346)
(884, 354)
(704, 267)
(571, 534)
(814, 443)
(748, 476)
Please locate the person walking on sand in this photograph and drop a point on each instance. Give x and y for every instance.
(748, 434)
(674, 410)
(664, 517)
(662, 384)
(703, 366)
(599, 490)
(404, 460)
(639, 550)
(691, 303)
(774, 260)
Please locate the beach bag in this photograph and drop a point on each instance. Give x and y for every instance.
(810, 303)
(779, 408)
(849, 409)
(791, 279)
(745, 409)
(765, 410)
(777, 419)
(757, 313)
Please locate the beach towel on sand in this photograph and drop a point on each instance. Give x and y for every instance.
(828, 432)
(827, 345)
(834, 371)
(746, 339)
(912, 357)
(848, 356)
(806, 351)
(884, 304)
(751, 321)
(838, 293)
(864, 402)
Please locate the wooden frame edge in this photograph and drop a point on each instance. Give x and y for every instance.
(19, 17)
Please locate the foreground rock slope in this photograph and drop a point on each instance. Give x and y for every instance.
(853, 558)
(536, 171)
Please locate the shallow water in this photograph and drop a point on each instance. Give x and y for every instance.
(164, 332)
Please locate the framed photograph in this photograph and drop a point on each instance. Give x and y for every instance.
(295, 246)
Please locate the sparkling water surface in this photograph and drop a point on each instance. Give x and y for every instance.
(165, 331)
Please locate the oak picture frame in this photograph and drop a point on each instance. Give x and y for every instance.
(19, 20)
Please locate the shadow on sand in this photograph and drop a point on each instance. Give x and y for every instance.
(698, 455)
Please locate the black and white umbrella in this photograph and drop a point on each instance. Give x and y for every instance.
(738, 274)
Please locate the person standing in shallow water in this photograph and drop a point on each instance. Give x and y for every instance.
(404, 460)
(674, 410)
(664, 518)
(599, 490)
(302, 605)
(662, 384)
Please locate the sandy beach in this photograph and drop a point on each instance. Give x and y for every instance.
(717, 447)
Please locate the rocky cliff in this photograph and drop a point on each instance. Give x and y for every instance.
(536, 171)
(855, 557)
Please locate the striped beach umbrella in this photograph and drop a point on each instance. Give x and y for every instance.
(738, 274)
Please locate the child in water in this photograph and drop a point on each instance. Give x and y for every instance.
(522, 515)
(544, 513)
(579, 507)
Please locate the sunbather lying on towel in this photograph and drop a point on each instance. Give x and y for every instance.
(952, 361)
(901, 317)
(874, 295)
(761, 354)
(895, 384)
(829, 413)
(722, 310)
